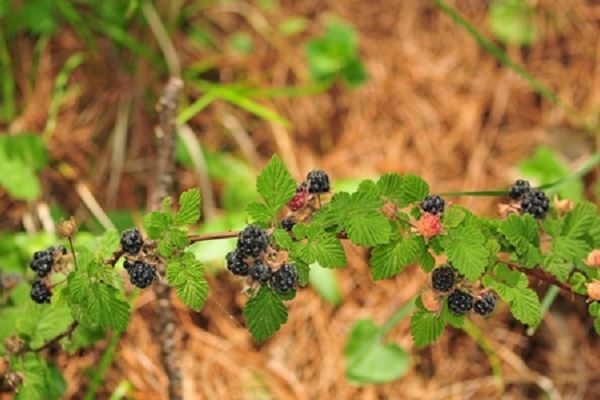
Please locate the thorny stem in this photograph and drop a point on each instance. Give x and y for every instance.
(73, 252)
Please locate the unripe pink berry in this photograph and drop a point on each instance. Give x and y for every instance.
(429, 225)
(593, 259)
(593, 289)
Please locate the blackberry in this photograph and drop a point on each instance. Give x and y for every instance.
(141, 274)
(127, 264)
(284, 280)
(131, 241)
(260, 272)
(485, 304)
(298, 201)
(318, 181)
(42, 262)
(40, 292)
(518, 189)
(288, 224)
(236, 264)
(252, 241)
(536, 203)
(433, 204)
(442, 278)
(459, 302)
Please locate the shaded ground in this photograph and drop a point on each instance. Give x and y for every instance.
(435, 105)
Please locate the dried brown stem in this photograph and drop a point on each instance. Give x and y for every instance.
(166, 324)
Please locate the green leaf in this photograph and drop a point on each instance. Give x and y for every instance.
(189, 208)
(413, 189)
(21, 157)
(522, 233)
(186, 274)
(316, 245)
(43, 323)
(368, 360)
(580, 220)
(41, 381)
(156, 223)
(390, 187)
(264, 314)
(426, 327)
(453, 216)
(368, 228)
(465, 247)
(275, 185)
(512, 21)
(390, 259)
(325, 283)
(259, 213)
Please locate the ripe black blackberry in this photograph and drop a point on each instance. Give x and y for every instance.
(284, 280)
(127, 264)
(485, 304)
(40, 292)
(131, 241)
(518, 189)
(260, 272)
(42, 262)
(433, 204)
(141, 274)
(442, 278)
(318, 181)
(459, 302)
(236, 264)
(288, 224)
(536, 203)
(252, 241)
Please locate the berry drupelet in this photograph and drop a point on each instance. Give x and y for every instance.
(536, 203)
(518, 189)
(141, 274)
(236, 264)
(485, 304)
(318, 181)
(459, 302)
(40, 292)
(284, 280)
(260, 272)
(252, 241)
(288, 224)
(433, 204)
(131, 241)
(442, 278)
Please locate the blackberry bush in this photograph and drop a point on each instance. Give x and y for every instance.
(131, 241)
(40, 292)
(252, 241)
(459, 302)
(284, 280)
(141, 274)
(433, 204)
(442, 278)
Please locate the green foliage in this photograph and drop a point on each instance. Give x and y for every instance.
(512, 21)
(522, 233)
(465, 247)
(316, 245)
(265, 313)
(325, 282)
(41, 380)
(426, 327)
(335, 56)
(21, 158)
(390, 259)
(186, 274)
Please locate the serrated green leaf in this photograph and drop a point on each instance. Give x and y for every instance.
(368, 360)
(368, 228)
(453, 216)
(522, 233)
(283, 239)
(426, 261)
(259, 213)
(275, 185)
(42, 323)
(41, 381)
(413, 189)
(390, 259)
(426, 327)
(264, 314)
(186, 274)
(465, 247)
(526, 306)
(316, 245)
(390, 187)
(189, 208)
(156, 223)
(580, 220)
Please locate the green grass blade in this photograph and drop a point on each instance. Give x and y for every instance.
(190, 111)
(7, 108)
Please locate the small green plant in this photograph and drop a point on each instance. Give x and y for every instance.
(80, 293)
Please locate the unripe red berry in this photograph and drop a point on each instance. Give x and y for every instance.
(593, 259)
(429, 225)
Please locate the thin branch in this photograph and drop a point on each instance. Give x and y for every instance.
(50, 343)
(543, 276)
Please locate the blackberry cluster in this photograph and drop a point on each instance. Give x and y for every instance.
(40, 292)
(318, 181)
(252, 241)
(236, 264)
(131, 241)
(518, 189)
(536, 203)
(485, 304)
(141, 274)
(288, 224)
(285, 279)
(433, 204)
(459, 302)
(260, 272)
(43, 260)
(442, 278)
